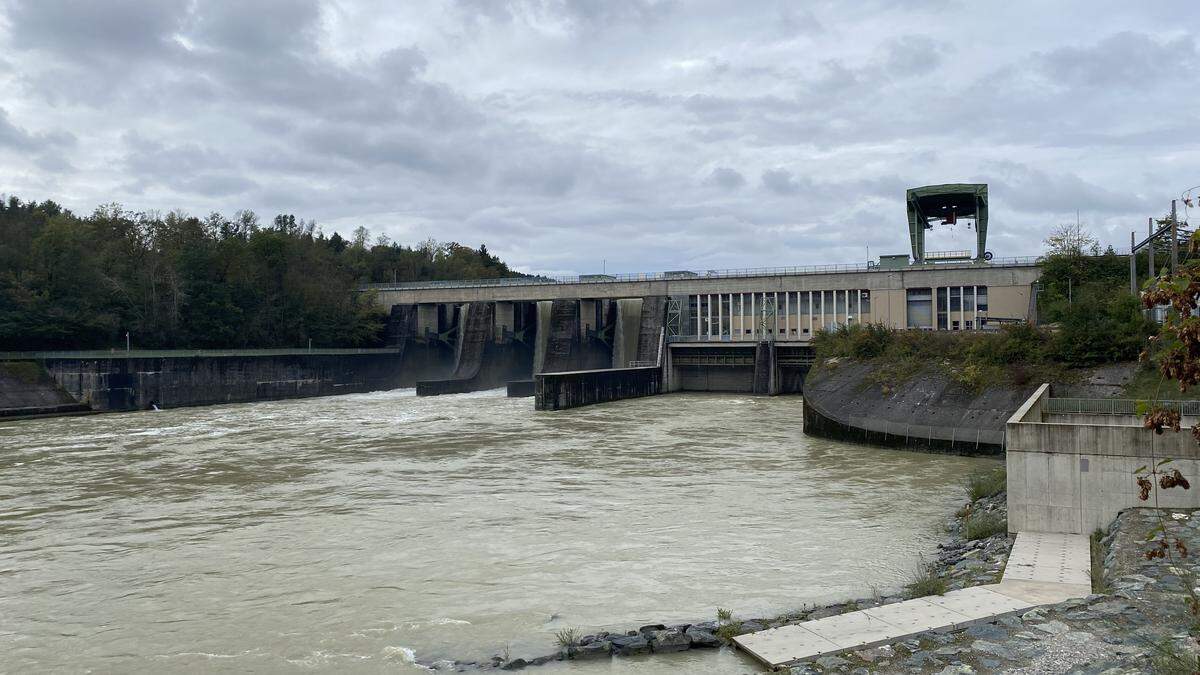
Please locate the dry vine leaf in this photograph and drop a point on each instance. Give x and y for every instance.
(1160, 418)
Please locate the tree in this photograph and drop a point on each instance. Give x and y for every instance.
(1071, 239)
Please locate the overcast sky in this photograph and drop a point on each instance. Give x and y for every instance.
(646, 134)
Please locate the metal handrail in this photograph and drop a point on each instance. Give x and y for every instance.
(1113, 406)
(1025, 261)
(186, 353)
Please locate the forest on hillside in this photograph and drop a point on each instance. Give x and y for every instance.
(178, 281)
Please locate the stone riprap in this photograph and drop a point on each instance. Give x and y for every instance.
(1140, 625)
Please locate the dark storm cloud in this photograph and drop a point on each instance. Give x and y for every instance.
(565, 132)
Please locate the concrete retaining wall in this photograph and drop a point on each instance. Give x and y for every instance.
(559, 391)
(26, 390)
(926, 413)
(138, 383)
(1074, 476)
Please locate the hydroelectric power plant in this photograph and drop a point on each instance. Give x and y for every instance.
(585, 339)
(594, 338)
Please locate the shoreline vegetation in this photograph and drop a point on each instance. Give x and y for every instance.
(177, 281)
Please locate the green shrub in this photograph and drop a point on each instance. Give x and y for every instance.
(987, 483)
(1097, 573)
(984, 525)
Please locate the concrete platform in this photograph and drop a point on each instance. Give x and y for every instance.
(1042, 569)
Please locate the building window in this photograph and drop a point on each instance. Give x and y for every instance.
(942, 305)
(865, 298)
(920, 308)
(982, 295)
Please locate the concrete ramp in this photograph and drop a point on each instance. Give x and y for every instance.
(1042, 569)
(26, 389)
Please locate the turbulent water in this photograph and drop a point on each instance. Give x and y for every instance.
(355, 533)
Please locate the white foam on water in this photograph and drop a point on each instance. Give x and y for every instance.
(405, 654)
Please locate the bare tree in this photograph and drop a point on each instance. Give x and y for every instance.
(1071, 239)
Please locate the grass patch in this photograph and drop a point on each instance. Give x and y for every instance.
(984, 525)
(28, 372)
(1169, 659)
(1098, 575)
(987, 483)
(1147, 384)
(727, 627)
(1016, 355)
(924, 581)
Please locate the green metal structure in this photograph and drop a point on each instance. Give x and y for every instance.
(946, 203)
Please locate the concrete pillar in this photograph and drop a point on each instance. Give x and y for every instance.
(427, 319)
(708, 308)
(975, 308)
(720, 316)
(698, 308)
(962, 316)
(775, 299)
(810, 314)
(787, 313)
(505, 321)
(753, 318)
(587, 317)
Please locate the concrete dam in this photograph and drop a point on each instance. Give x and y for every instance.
(569, 352)
(566, 342)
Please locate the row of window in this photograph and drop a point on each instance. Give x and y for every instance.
(786, 313)
(958, 307)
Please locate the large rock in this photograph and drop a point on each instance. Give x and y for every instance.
(670, 640)
(626, 645)
(593, 649)
(647, 630)
(701, 638)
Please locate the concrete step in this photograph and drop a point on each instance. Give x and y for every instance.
(1042, 569)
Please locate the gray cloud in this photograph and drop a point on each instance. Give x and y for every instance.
(565, 132)
(727, 178)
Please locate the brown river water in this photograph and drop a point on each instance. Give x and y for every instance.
(358, 533)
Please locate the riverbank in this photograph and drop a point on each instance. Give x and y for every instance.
(1135, 621)
(973, 553)
(1139, 624)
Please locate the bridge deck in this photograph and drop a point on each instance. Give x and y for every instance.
(1042, 569)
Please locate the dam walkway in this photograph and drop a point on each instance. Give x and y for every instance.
(1043, 568)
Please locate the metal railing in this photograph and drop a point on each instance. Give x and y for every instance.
(713, 360)
(1024, 261)
(1112, 406)
(186, 353)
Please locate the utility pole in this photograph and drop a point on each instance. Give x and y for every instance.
(1132, 266)
(1150, 244)
(1174, 238)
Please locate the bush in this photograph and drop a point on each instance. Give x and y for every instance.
(984, 525)
(987, 483)
(856, 341)
(1101, 330)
